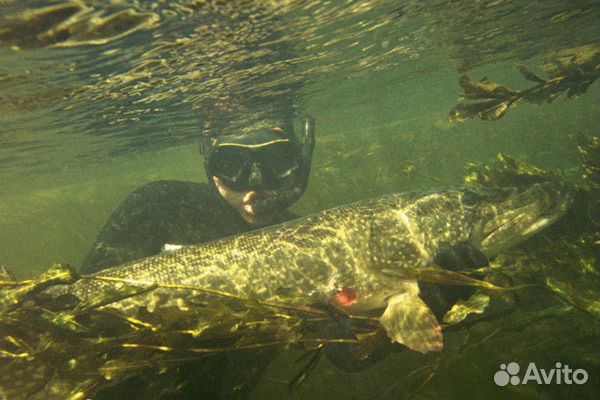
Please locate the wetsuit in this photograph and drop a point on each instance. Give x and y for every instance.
(162, 212)
(178, 212)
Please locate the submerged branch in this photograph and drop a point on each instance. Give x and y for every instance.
(569, 71)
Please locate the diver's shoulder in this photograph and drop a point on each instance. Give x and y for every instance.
(164, 185)
(169, 189)
(163, 194)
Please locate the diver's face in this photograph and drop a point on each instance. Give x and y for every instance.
(244, 202)
(255, 179)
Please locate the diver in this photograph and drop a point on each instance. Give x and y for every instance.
(253, 176)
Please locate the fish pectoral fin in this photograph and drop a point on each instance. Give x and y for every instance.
(409, 321)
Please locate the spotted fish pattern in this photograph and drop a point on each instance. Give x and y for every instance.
(357, 257)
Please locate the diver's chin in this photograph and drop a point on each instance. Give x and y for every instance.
(244, 203)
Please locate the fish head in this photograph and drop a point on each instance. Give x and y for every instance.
(492, 220)
(503, 218)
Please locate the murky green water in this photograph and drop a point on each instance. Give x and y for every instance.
(93, 110)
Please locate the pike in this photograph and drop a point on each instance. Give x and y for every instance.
(360, 257)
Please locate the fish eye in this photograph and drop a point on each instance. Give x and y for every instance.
(469, 198)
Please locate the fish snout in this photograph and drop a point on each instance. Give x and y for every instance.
(523, 213)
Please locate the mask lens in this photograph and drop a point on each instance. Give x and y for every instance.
(278, 160)
(231, 164)
(235, 165)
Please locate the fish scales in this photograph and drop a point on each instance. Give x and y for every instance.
(331, 248)
(370, 248)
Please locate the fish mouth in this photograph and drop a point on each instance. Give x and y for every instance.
(523, 213)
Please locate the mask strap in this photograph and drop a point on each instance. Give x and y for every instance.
(306, 144)
(307, 140)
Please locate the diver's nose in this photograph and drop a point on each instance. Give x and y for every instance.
(255, 179)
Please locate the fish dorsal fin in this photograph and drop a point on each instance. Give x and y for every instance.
(409, 321)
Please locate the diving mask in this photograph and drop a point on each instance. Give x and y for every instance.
(266, 159)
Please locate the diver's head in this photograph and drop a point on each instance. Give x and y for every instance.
(262, 170)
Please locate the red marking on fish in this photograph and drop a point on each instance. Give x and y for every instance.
(347, 297)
